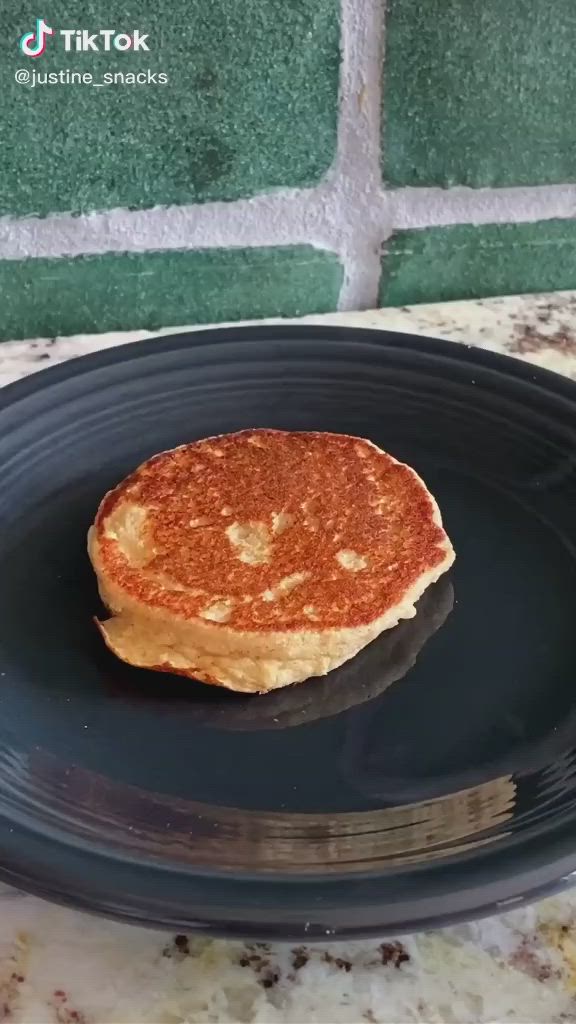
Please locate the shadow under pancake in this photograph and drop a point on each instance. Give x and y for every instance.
(365, 677)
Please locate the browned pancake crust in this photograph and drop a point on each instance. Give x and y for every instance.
(339, 492)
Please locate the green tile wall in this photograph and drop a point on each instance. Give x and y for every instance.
(250, 104)
(467, 262)
(40, 298)
(256, 105)
(480, 92)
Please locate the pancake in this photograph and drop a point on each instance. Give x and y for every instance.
(259, 559)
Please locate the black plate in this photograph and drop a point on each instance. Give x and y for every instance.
(431, 778)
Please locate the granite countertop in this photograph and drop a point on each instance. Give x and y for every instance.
(63, 967)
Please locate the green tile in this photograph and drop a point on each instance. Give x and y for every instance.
(466, 262)
(480, 92)
(45, 297)
(250, 104)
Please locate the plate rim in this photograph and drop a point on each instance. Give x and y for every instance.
(185, 341)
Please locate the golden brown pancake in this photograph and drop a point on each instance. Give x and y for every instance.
(261, 558)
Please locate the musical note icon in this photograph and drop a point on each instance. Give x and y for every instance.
(33, 44)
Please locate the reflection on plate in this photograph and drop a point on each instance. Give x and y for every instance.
(386, 660)
(158, 827)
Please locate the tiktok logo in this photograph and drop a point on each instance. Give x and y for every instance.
(33, 44)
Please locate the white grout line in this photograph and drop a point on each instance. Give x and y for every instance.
(274, 219)
(353, 189)
(330, 216)
(427, 207)
(348, 213)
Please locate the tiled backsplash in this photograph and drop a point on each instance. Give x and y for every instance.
(250, 104)
(282, 157)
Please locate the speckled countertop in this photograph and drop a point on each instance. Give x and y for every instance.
(62, 967)
(538, 328)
